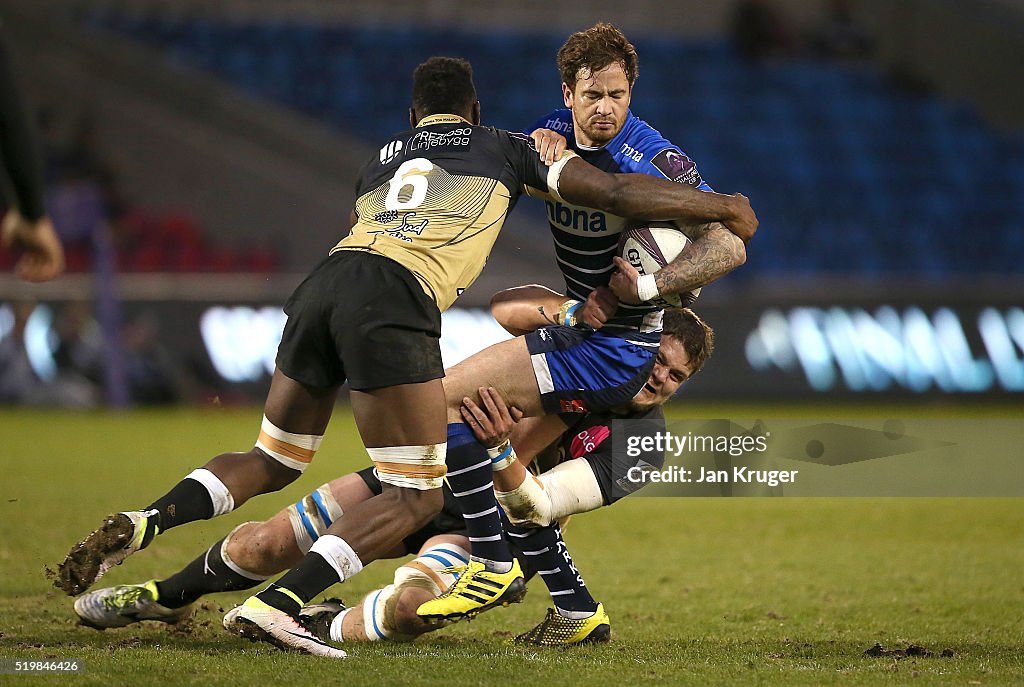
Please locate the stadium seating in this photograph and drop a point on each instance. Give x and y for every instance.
(850, 174)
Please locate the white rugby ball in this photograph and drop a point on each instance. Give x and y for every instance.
(651, 246)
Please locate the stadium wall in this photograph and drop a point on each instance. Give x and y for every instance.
(968, 51)
(828, 339)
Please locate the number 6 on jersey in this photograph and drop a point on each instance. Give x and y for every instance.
(409, 173)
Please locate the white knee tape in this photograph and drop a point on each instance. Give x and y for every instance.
(294, 451)
(379, 608)
(411, 467)
(311, 516)
(223, 501)
(427, 571)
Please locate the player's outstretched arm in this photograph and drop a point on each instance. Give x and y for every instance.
(644, 197)
(515, 442)
(567, 489)
(523, 309)
(493, 423)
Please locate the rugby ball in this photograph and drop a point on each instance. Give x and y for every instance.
(651, 246)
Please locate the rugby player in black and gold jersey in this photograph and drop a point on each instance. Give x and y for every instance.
(429, 207)
(574, 463)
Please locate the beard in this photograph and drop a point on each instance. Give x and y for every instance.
(599, 136)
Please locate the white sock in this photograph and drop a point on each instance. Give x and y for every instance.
(494, 566)
(335, 633)
(574, 615)
(223, 501)
(339, 554)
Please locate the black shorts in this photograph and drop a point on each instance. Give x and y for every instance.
(448, 521)
(361, 317)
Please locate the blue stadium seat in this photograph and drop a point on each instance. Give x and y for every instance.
(828, 152)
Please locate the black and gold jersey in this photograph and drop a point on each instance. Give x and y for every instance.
(435, 198)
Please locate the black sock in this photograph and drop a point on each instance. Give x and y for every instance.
(207, 574)
(472, 482)
(189, 500)
(311, 576)
(544, 552)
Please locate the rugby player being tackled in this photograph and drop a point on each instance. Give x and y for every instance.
(578, 369)
(573, 452)
(429, 207)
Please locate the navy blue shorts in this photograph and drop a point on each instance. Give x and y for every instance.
(580, 370)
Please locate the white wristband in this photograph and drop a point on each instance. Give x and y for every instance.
(646, 288)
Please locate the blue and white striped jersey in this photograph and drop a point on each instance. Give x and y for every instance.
(585, 239)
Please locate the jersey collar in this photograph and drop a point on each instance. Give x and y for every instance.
(441, 119)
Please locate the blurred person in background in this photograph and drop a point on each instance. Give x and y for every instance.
(19, 382)
(25, 228)
(154, 376)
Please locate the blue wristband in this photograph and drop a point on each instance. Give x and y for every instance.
(570, 315)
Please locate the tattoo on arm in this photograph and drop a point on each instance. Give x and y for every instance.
(544, 315)
(696, 231)
(713, 253)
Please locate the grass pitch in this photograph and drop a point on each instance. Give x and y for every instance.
(700, 591)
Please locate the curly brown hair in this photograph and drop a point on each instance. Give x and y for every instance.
(590, 51)
(697, 338)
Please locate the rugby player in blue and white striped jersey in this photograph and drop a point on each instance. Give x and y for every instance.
(577, 469)
(607, 363)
